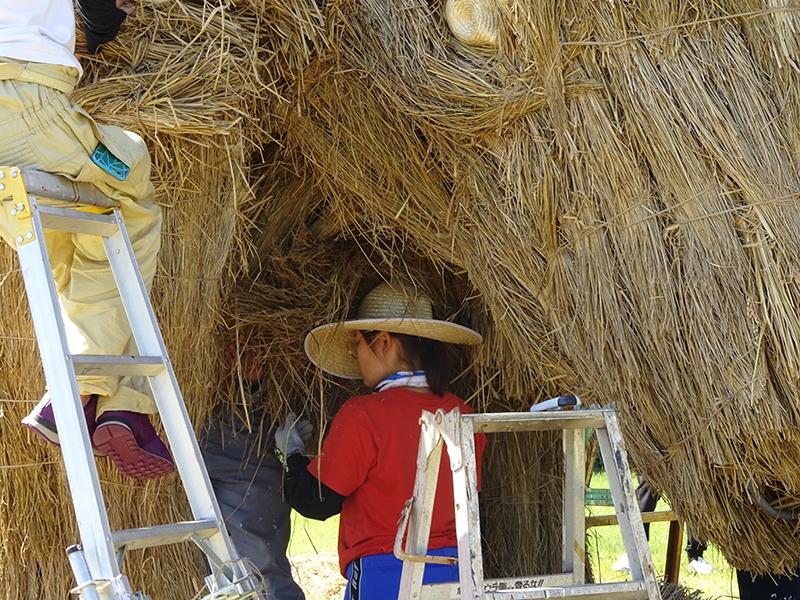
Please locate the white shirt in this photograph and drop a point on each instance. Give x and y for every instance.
(41, 31)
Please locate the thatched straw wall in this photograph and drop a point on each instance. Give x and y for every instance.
(609, 197)
(617, 184)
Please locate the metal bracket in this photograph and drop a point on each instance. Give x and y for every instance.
(121, 555)
(243, 584)
(763, 503)
(18, 209)
(234, 591)
(419, 558)
(212, 557)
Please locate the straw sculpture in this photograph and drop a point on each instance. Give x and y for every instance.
(616, 183)
(608, 195)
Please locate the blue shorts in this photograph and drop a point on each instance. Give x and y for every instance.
(377, 577)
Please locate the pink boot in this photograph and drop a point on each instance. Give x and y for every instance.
(42, 421)
(131, 441)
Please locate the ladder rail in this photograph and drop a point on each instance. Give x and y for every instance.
(79, 464)
(167, 395)
(615, 460)
(420, 514)
(459, 435)
(573, 547)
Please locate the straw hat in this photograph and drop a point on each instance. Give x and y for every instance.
(474, 22)
(392, 308)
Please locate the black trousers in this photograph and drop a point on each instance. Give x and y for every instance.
(772, 587)
(647, 503)
(247, 481)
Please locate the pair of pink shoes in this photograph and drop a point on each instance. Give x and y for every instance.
(127, 438)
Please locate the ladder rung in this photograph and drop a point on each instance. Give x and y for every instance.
(647, 517)
(100, 364)
(162, 535)
(49, 185)
(537, 421)
(446, 591)
(77, 221)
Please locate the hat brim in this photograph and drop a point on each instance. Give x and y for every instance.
(326, 345)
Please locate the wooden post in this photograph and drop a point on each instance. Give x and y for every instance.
(674, 547)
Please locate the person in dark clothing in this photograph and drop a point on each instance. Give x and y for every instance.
(768, 587)
(648, 499)
(247, 479)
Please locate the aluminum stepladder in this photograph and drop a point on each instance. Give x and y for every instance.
(97, 561)
(457, 431)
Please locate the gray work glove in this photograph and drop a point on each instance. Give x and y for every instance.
(290, 437)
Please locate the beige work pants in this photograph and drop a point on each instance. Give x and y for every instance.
(41, 129)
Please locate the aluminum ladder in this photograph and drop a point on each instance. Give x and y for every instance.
(457, 432)
(97, 561)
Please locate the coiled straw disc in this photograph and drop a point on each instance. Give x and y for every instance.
(474, 22)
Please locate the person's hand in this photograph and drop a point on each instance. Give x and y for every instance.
(290, 436)
(304, 429)
(128, 7)
(252, 368)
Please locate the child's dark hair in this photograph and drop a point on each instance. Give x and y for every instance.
(426, 355)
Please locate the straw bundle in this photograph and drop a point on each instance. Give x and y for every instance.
(673, 591)
(617, 185)
(608, 196)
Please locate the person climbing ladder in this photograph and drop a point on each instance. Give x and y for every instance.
(43, 130)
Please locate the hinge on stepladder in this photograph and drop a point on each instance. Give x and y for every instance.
(16, 205)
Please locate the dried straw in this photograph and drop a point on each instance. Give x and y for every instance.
(608, 196)
(617, 185)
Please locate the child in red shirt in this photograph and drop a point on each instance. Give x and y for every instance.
(367, 465)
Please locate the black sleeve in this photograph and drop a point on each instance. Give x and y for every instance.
(101, 22)
(306, 494)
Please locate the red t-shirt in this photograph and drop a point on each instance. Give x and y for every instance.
(370, 456)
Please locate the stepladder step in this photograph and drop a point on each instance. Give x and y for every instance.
(540, 587)
(68, 219)
(161, 535)
(98, 364)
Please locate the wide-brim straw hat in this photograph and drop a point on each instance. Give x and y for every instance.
(392, 308)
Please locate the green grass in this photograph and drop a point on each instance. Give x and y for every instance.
(313, 537)
(604, 545)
